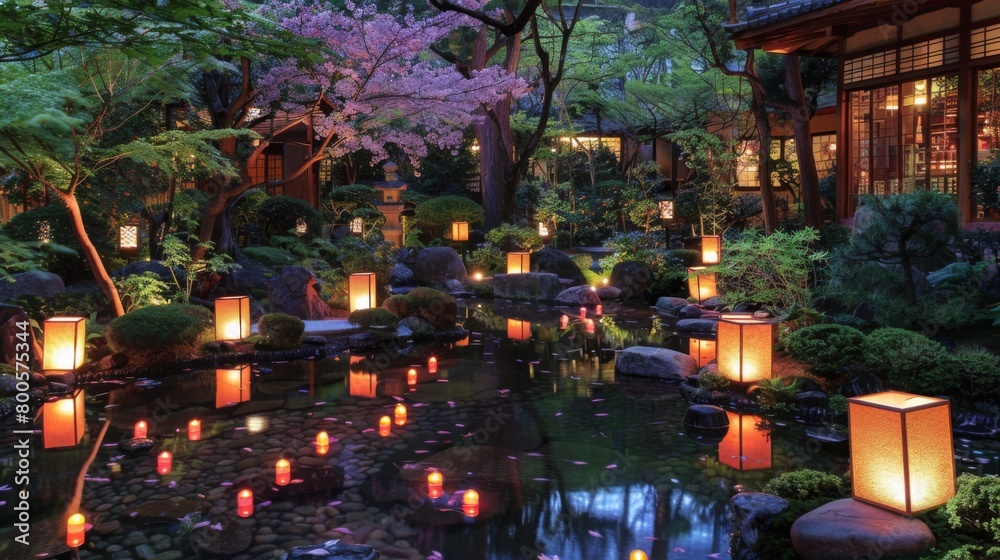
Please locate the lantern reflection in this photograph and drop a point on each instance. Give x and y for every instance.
(63, 421)
(701, 350)
(518, 330)
(747, 445)
(232, 386)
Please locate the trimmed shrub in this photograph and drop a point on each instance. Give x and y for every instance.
(827, 347)
(279, 331)
(433, 306)
(270, 256)
(375, 317)
(145, 332)
(805, 484)
(511, 237)
(976, 506)
(278, 215)
(435, 216)
(27, 225)
(978, 371)
(909, 361)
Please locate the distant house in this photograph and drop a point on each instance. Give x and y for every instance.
(918, 89)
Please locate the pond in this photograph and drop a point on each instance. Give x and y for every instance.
(566, 460)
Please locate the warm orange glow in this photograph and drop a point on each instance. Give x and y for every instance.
(194, 430)
(745, 447)
(64, 343)
(478, 277)
(470, 503)
(583, 312)
(902, 456)
(322, 443)
(361, 384)
(701, 285)
(139, 431)
(411, 377)
(637, 555)
(518, 263)
(244, 503)
(589, 326)
(745, 347)
(604, 281)
(400, 414)
(63, 421)
(459, 231)
(518, 330)
(599, 310)
(232, 318)
(711, 249)
(361, 291)
(384, 426)
(432, 364)
(128, 240)
(564, 322)
(232, 386)
(435, 484)
(164, 463)
(76, 527)
(282, 472)
(701, 350)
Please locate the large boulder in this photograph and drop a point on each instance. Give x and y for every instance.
(646, 361)
(632, 278)
(294, 292)
(556, 262)
(752, 513)
(699, 327)
(434, 265)
(530, 286)
(578, 295)
(13, 329)
(401, 275)
(852, 529)
(32, 283)
(248, 281)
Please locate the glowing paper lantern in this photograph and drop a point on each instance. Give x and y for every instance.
(322, 443)
(128, 240)
(164, 463)
(470, 503)
(518, 330)
(701, 285)
(745, 447)
(282, 472)
(518, 263)
(76, 527)
(194, 430)
(599, 310)
(701, 350)
(232, 317)
(244, 503)
(711, 249)
(362, 291)
(583, 312)
(432, 364)
(64, 340)
(589, 326)
(63, 421)
(384, 426)
(543, 230)
(411, 377)
(638, 554)
(232, 386)
(139, 431)
(400, 414)
(459, 231)
(745, 347)
(435, 484)
(902, 456)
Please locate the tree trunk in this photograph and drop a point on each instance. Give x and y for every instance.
(770, 214)
(809, 178)
(90, 252)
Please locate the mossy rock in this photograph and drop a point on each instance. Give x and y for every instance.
(279, 331)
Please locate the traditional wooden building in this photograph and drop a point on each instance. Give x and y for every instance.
(918, 89)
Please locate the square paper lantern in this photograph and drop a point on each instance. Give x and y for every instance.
(745, 447)
(902, 457)
(64, 342)
(63, 421)
(745, 347)
(701, 350)
(232, 386)
(518, 330)
(232, 318)
(711, 249)
(460, 231)
(362, 384)
(518, 263)
(361, 290)
(701, 284)
(666, 209)
(128, 241)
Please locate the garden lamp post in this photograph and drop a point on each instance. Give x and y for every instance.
(666, 216)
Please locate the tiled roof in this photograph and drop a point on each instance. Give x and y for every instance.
(759, 16)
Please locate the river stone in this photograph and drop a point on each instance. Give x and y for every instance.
(332, 550)
(706, 424)
(401, 275)
(159, 510)
(632, 278)
(530, 286)
(232, 539)
(671, 305)
(689, 312)
(556, 262)
(608, 292)
(697, 326)
(434, 265)
(646, 361)
(752, 513)
(852, 529)
(578, 295)
(133, 445)
(294, 292)
(32, 283)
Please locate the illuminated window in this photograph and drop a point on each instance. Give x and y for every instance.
(985, 41)
(591, 143)
(269, 166)
(824, 152)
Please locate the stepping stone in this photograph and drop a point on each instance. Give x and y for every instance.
(852, 529)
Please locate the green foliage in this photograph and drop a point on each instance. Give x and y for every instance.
(978, 371)
(837, 405)
(976, 506)
(973, 552)
(488, 259)
(19, 256)
(827, 347)
(985, 182)
(245, 211)
(177, 254)
(375, 317)
(69, 304)
(909, 361)
(687, 257)
(433, 306)
(340, 202)
(774, 542)
(805, 484)
(178, 328)
(713, 381)
(773, 270)
(278, 215)
(434, 216)
(278, 331)
(189, 206)
(775, 395)
(270, 256)
(517, 238)
(27, 226)
(669, 275)
(140, 290)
